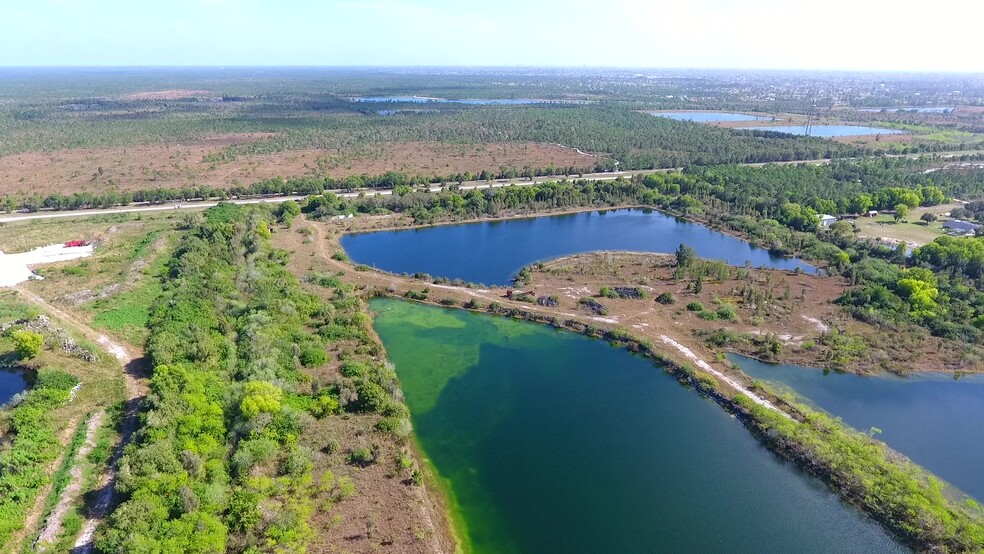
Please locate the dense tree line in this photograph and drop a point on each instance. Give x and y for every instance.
(217, 465)
(635, 140)
(276, 186)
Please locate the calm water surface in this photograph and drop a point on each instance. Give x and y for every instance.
(492, 252)
(925, 109)
(707, 117)
(471, 101)
(828, 130)
(11, 383)
(933, 419)
(552, 442)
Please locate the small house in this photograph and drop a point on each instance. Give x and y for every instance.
(872, 213)
(959, 227)
(826, 220)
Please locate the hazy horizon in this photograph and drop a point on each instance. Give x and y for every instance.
(761, 35)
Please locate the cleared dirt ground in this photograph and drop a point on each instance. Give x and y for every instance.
(183, 165)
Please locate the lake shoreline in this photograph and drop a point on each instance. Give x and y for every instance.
(786, 447)
(789, 443)
(354, 237)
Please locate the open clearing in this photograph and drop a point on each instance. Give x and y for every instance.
(912, 230)
(183, 165)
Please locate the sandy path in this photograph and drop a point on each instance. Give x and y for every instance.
(135, 390)
(53, 525)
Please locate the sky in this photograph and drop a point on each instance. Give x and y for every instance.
(887, 35)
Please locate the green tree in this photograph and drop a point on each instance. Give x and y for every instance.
(901, 210)
(27, 344)
(685, 255)
(260, 397)
(928, 217)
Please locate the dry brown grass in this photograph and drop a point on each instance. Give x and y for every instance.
(173, 94)
(181, 164)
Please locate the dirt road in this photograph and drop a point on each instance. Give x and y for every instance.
(133, 374)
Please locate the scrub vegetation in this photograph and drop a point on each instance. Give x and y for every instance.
(219, 463)
(273, 422)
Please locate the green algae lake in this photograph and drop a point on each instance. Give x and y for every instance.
(549, 441)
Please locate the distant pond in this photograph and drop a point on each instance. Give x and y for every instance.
(827, 131)
(492, 252)
(708, 117)
(923, 109)
(470, 101)
(934, 419)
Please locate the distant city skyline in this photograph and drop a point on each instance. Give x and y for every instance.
(852, 35)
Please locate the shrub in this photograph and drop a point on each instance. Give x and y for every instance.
(665, 298)
(695, 307)
(708, 315)
(56, 380)
(361, 457)
(354, 369)
(397, 426)
(340, 256)
(326, 280)
(27, 344)
(260, 397)
(727, 313)
(313, 356)
(414, 295)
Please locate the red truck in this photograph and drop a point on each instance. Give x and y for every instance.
(75, 243)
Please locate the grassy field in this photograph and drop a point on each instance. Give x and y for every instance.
(126, 314)
(912, 230)
(114, 288)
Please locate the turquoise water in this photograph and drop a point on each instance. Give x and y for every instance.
(11, 383)
(707, 117)
(552, 442)
(827, 131)
(492, 252)
(933, 419)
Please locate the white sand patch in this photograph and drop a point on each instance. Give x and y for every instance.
(113, 348)
(707, 367)
(15, 268)
(572, 292)
(821, 326)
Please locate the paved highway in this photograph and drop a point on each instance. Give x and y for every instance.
(200, 205)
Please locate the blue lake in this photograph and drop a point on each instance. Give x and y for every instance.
(827, 131)
(933, 419)
(11, 383)
(471, 101)
(929, 109)
(707, 117)
(492, 252)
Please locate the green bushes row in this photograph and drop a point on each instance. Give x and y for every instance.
(33, 445)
